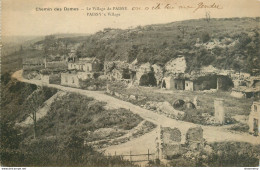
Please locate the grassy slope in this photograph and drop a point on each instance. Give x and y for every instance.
(76, 114)
(160, 43)
(61, 132)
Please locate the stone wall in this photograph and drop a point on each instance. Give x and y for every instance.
(169, 142)
(71, 80)
(194, 138)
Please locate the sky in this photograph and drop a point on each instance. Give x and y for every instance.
(20, 18)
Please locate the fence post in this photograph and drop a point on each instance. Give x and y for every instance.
(148, 155)
(130, 156)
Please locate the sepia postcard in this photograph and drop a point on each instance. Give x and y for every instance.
(130, 83)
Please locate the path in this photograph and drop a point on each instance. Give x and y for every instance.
(211, 133)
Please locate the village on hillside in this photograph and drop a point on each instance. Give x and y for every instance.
(178, 94)
(92, 74)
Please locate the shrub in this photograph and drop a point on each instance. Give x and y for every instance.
(241, 127)
(205, 37)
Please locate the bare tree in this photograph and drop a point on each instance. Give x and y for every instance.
(32, 105)
(208, 16)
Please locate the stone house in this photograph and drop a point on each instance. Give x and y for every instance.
(254, 118)
(68, 79)
(53, 78)
(86, 65)
(173, 83)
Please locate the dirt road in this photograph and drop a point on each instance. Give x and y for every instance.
(211, 133)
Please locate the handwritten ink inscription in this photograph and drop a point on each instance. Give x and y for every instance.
(161, 6)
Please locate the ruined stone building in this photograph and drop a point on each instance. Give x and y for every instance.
(169, 142)
(108, 67)
(85, 65)
(173, 83)
(117, 70)
(194, 138)
(254, 118)
(173, 76)
(69, 79)
(224, 83)
(53, 78)
(207, 82)
(189, 85)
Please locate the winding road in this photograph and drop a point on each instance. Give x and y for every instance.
(141, 144)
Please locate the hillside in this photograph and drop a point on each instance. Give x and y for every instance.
(61, 133)
(224, 43)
